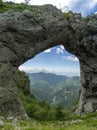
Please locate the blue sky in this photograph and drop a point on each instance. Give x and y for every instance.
(54, 60)
(57, 60)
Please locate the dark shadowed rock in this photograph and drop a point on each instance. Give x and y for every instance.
(23, 35)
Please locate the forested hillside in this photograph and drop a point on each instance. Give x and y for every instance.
(56, 89)
(40, 110)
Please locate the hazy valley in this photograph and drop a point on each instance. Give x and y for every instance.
(56, 89)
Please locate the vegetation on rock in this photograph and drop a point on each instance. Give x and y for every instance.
(5, 6)
(40, 110)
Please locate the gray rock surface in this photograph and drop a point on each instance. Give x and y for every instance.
(25, 34)
(1, 123)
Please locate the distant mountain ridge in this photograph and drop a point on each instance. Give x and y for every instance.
(51, 78)
(56, 89)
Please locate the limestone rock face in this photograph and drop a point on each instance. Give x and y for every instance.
(25, 34)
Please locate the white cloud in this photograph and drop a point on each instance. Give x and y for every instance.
(70, 58)
(82, 6)
(57, 3)
(60, 50)
(48, 50)
(25, 68)
(62, 47)
(63, 71)
(30, 69)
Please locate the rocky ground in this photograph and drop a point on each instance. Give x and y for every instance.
(88, 122)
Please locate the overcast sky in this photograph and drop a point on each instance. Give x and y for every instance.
(58, 60)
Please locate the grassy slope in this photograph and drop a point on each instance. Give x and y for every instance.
(85, 124)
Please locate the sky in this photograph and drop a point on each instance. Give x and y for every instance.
(84, 7)
(57, 60)
(54, 60)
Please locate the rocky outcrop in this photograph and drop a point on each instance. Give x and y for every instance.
(25, 34)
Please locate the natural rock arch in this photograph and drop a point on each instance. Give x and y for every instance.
(23, 35)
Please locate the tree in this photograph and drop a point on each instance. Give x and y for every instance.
(60, 113)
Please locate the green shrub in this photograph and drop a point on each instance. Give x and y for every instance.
(1, 4)
(59, 113)
(66, 15)
(23, 83)
(41, 114)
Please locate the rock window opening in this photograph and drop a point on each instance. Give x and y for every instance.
(54, 76)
